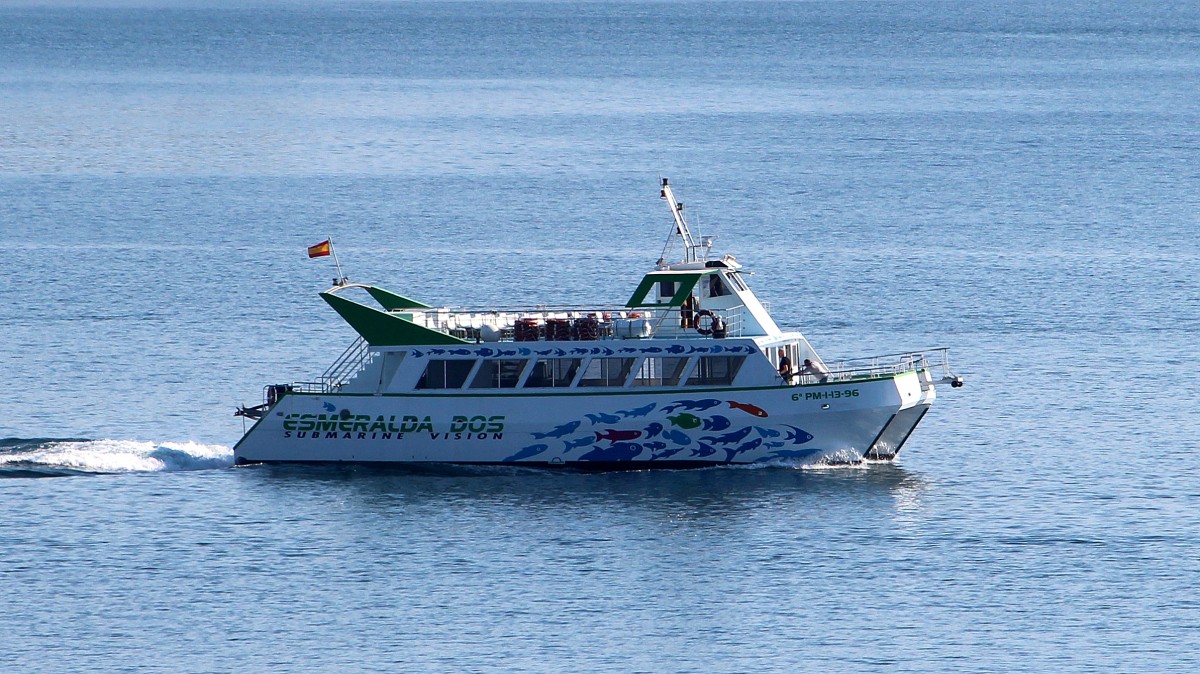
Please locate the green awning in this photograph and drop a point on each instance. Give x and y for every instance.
(687, 280)
(380, 328)
(391, 301)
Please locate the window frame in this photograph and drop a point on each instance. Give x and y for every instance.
(539, 360)
(679, 370)
(467, 376)
(582, 376)
(708, 381)
(499, 385)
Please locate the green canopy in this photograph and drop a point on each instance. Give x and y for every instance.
(686, 280)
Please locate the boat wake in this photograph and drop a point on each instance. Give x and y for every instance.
(839, 460)
(51, 457)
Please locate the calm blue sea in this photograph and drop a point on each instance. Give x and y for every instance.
(1018, 181)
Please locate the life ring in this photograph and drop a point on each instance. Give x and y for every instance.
(715, 325)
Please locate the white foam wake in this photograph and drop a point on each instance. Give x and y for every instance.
(121, 456)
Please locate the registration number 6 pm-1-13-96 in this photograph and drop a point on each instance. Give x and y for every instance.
(826, 395)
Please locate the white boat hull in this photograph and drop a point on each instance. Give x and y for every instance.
(835, 422)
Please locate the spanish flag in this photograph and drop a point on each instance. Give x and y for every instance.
(319, 250)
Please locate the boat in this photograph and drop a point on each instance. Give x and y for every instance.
(691, 371)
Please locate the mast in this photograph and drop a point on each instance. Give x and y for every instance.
(690, 247)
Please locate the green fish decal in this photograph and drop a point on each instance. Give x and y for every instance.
(685, 420)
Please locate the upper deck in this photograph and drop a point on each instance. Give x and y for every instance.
(672, 303)
(695, 298)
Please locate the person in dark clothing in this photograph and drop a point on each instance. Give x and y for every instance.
(785, 366)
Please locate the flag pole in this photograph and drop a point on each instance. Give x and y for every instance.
(341, 278)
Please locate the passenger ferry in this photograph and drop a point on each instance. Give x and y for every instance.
(690, 371)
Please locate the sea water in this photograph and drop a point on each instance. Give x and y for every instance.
(1017, 181)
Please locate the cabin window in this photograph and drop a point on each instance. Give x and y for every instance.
(660, 372)
(717, 287)
(666, 290)
(607, 372)
(553, 372)
(715, 370)
(445, 374)
(498, 373)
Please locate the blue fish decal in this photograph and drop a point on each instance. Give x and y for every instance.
(655, 446)
(637, 412)
(484, 353)
(417, 353)
(704, 450)
(667, 454)
(767, 432)
(716, 423)
(559, 431)
(532, 450)
(653, 349)
(678, 437)
(798, 436)
(579, 352)
(729, 438)
(602, 418)
(524, 351)
(460, 352)
(654, 429)
(692, 405)
(329, 407)
(585, 441)
(675, 348)
(437, 352)
(618, 451)
(753, 444)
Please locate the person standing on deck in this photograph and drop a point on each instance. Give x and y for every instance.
(785, 366)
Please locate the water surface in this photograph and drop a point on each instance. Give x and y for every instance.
(1015, 181)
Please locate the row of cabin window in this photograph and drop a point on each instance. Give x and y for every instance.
(561, 372)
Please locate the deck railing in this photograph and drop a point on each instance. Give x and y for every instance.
(934, 361)
(352, 360)
(611, 322)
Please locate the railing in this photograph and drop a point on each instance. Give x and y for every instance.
(353, 359)
(609, 323)
(309, 387)
(669, 323)
(934, 361)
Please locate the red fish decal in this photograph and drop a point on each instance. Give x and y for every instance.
(617, 436)
(754, 410)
